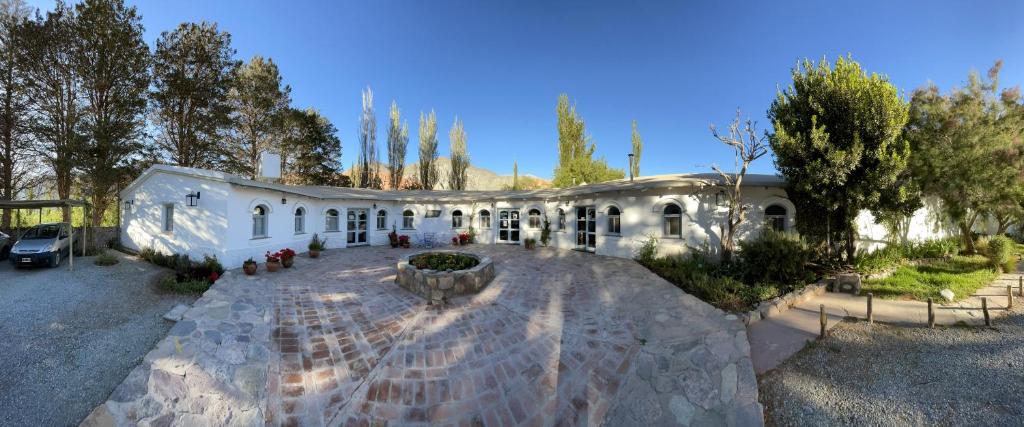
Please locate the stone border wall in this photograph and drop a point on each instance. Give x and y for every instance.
(779, 305)
(440, 286)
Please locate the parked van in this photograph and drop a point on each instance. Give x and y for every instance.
(44, 244)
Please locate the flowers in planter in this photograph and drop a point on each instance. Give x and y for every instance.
(273, 261)
(465, 238)
(403, 240)
(287, 257)
(455, 241)
(316, 245)
(249, 266)
(393, 237)
(213, 277)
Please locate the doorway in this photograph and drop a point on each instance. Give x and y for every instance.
(508, 226)
(356, 229)
(586, 229)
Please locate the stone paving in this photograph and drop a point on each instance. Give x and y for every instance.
(557, 338)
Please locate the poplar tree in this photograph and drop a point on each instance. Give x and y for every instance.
(576, 163)
(638, 146)
(428, 174)
(369, 176)
(458, 178)
(259, 103)
(398, 140)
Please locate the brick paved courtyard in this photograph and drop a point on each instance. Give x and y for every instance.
(558, 338)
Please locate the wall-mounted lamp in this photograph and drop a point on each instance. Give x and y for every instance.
(375, 206)
(192, 199)
(284, 201)
(128, 205)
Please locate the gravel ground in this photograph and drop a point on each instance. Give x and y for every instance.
(69, 338)
(884, 375)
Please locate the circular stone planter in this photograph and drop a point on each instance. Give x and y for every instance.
(440, 286)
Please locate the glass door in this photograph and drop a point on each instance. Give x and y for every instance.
(586, 229)
(508, 226)
(356, 229)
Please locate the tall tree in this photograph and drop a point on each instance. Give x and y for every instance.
(15, 164)
(369, 175)
(259, 104)
(747, 146)
(838, 141)
(313, 148)
(398, 141)
(113, 61)
(638, 147)
(515, 175)
(576, 163)
(428, 174)
(54, 86)
(193, 68)
(458, 179)
(968, 147)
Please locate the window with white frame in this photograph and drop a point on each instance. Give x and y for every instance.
(614, 224)
(168, 218)
(533, 218)
(673, 221)
(775, 217)
(300, 220)
(408, 218)
(485, 219)
(333, 220)
(259, 222)
(382, 219)
(456, 219)
(561, 219)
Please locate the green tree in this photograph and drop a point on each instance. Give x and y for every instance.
(193, 67)
(515, 175)
(458, 178)
(428, 174)
(15, 164)
(113, 60)
(398, 141)
(314, 150)
(576, 163)
(838, 141)
(259, 104)
(638, 147)
(967, 148)
(369, 176)
(54, 86)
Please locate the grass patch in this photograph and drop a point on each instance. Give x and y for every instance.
(964, 275)
(187, 287)
(106, 259)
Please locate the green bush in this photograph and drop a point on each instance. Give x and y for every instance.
(775, 258)
(188, 287)
(443, 261)
(106, 259)
(881, 259)
(1000, 249)
(648, 250)
(760, 292)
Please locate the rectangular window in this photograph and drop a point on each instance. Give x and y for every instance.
(300, 224)
(673, 226)
(407, 222)
(613, 224)
(485, 221)
(382, 222)
(333, 223)
(168, 218)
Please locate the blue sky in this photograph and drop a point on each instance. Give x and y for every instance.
(675, 67)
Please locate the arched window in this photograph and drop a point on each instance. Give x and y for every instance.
(614, 225)
(534, 218)
(456, 219)
(333, 221)
(672, 220)
(775, 217)
(561, 219)
(407, 219)
(382, 219)
(485, 219)
(300, 220)
(259, 222)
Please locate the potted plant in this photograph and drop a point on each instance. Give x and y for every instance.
(393, 237)
(249, 267)
(273, 261)
(464, 239)
(455, 241)
(403, 241)
(287, 257)
(316, 245)
(530, 243)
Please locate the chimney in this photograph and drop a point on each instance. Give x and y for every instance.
(270, 167)
(630, 166)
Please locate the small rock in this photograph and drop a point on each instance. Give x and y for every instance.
(947, 294)
(175, 314)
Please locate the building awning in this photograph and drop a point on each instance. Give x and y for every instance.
(38, 204)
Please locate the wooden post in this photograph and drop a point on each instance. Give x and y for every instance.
(984, 308)
(871, 316)
(1020, 285)
(931, 314)
(1009, 297)
(824, 321)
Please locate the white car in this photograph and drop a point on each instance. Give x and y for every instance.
(45, 244)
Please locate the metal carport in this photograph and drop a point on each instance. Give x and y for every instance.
(15, 205)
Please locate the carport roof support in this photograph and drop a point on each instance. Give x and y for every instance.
(38, 204)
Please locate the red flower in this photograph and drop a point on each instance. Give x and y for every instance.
(403, 239)
(213, 277)
(273, 257)
(286, 253)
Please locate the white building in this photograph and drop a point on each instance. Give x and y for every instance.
(201, 212)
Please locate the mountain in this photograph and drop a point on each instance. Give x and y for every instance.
(479, 178)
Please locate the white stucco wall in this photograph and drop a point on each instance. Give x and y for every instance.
(927, 223)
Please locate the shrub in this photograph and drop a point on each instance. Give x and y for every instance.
(881, 259)
(105, 259)
(443, 261)
(189, 287)
(775, 258)
(648, 250)
(1000, 251)
(317, 244)
(981, 245)
(760, 292)
(1010, 266)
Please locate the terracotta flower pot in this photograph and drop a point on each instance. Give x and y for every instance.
(273, 266)
(249, 269)
(287, 262)
(313, 253)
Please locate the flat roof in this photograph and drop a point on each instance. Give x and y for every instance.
(38, 204)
